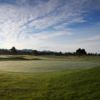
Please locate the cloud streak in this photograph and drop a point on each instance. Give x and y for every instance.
(28, 23)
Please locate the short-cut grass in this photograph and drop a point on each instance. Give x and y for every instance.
(54, 78)
(71, 85)
(46, 64)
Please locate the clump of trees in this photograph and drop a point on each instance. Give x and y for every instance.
(14, 51)
(81, 52)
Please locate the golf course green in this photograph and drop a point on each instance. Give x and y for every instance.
(49, 77)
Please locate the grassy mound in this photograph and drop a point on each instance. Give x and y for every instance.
(63, 85)
(17, 58)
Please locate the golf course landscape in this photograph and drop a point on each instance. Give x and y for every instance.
(49, 49)
(27, 77)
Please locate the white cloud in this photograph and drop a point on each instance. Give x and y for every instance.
(51, 35)
(68, 13)
(16, 19)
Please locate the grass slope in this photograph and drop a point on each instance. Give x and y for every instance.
(63, 85)
(17, 58)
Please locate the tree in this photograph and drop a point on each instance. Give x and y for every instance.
(81, 51)
(13, 50)
(35, 52)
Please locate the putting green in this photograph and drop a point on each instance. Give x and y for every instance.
(44, 65)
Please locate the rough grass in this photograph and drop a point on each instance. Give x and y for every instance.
(17, 58)
(64, 85)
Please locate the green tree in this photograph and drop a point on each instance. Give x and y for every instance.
(13, 50)
(81, 51)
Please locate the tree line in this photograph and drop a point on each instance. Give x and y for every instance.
(14, 51)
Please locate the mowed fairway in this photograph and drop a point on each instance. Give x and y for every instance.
(49, 78)
(46, 64)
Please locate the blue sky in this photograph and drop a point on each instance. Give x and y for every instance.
(58, 25)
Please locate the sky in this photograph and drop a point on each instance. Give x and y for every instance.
(56, 25)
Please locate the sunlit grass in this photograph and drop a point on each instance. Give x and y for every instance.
(65, 85)
(48, 79)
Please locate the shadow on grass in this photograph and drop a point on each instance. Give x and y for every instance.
(17, 59)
